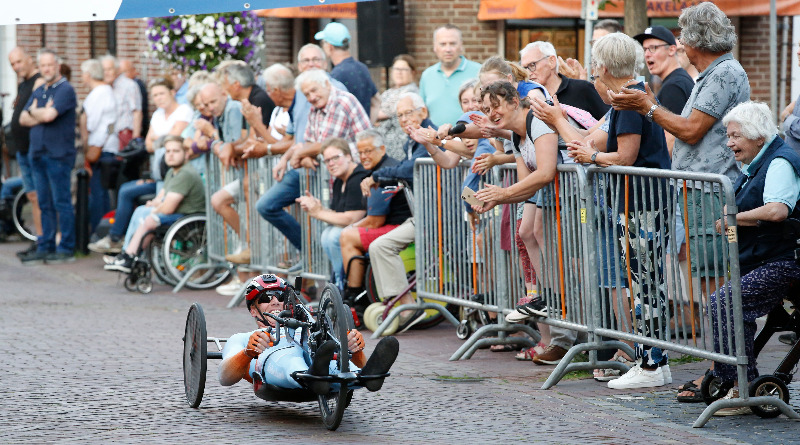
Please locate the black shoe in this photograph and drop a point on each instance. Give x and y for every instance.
(320, 365)
(380, 362)
(33, 258)
(790, 338)
(122, 263)
(59, 258)
(32, 248)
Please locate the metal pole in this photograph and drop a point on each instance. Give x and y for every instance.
(773, 59)
(587, 45)
(784, 62)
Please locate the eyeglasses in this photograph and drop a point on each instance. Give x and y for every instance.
(652, 49)
(366, 152)
(400, 69)
(592, 78)
(336, 158)
(681, 50)
(532, 66)
(407, 114)
(311, 60)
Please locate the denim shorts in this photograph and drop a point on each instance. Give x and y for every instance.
(25, 171)
(166, 219)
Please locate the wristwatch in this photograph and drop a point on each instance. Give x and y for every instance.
(649, 114)
(594, 157)
(269, 149)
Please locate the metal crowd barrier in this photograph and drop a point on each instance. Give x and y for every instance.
(315, 264)
(221, 239)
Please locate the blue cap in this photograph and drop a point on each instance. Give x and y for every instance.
(334, 33)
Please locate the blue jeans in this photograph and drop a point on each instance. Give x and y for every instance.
(270, 206)
(10, 188)
(52, 179)
(126, 203)
(333, 250)
(24, 162)
(99, 201)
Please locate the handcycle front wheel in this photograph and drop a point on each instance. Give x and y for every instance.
(195, 355)
(335, 318)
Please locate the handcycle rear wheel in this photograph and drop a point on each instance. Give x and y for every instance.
(195, 355)
(336, 319)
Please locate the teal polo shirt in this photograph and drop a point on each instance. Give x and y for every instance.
(440, 92)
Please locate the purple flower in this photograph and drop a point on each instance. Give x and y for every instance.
(246, 42)
(192, 62)
(203, 67)
(238, 28)
(223, 19)
(163, 28)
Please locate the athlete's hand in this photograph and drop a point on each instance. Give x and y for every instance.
(257, 343)
(355, 341)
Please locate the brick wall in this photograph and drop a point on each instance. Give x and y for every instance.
(277, 41)
(754, 57)
(424, 16)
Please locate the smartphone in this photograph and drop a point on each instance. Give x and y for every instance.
(468, 195)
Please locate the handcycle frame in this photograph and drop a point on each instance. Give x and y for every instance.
(332, 322)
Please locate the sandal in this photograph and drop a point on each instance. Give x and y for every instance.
(688, 386)
(529, 353)
(505, 348)
(696, 397)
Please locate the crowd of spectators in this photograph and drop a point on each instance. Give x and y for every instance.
(325, 112)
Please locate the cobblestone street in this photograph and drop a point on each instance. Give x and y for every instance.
(86, 361)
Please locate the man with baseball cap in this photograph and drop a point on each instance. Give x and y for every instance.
(352, 73)
(661, 56)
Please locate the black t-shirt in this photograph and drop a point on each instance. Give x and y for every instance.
(581, 94)
(398, 205)
(675, 90)
(259, 98)
(350, 198)
(21, 134)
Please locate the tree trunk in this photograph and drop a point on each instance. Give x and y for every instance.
(635, 17)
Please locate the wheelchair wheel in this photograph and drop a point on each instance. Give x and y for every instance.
(155, 256)
(145, 283)
(769, 386)
(370, 317)
(130, 283)
(22, 215)
(195, 355)
(713, 389)
(335, 319)
(185, 246)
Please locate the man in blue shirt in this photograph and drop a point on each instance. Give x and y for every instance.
(440, 83)
(352, 73)
(50, 112)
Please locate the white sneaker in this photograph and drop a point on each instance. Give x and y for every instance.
(736, 410)
(667, 374)
(105, 245)
(637, 377)
(230, 289)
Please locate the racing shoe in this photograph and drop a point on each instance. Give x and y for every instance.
(380, 362)
(320, 366)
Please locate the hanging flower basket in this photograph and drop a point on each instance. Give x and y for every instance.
(201, 42)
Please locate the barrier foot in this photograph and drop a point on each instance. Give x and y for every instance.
(475, 341)
(787, 410)
(404, 307)
(565, 366)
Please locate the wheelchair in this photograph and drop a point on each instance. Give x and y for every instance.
(17, 215)
(173, 252)
(330, 321)
(370, 310)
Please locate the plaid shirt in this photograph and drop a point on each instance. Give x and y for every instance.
(342, 117)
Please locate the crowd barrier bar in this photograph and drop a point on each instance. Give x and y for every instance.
(219, 236)
(316, 265)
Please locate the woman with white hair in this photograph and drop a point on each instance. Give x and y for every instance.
(767, 197)
(632, 140)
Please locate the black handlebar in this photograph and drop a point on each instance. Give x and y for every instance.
(284, 318)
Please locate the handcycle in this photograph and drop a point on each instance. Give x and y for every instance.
(329, 322)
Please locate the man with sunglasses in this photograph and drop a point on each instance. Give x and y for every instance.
(268, 356)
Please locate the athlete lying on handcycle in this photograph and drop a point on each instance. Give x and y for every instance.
(273, 354)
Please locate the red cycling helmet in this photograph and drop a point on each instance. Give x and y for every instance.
(265, 284)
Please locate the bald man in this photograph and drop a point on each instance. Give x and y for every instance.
(127, 68)
(28, 79)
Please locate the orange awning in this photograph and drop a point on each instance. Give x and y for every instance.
(336, 11)
(538, 9)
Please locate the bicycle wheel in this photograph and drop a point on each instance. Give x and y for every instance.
(195, 354)
(185, 246)
(22, 215)
(335, 319)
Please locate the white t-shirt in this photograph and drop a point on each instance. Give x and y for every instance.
(100, 107)
(526, 147)
(280, 118)
(161, 125)
(129, 99)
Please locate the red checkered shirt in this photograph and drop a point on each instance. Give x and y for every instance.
(342, 117)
